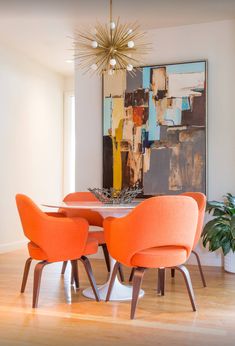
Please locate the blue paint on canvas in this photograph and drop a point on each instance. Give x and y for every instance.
(173, 117)
(154, 129)
(186, 68)
(146, 142)
(185, 103)
(146, 77)
(107, 120)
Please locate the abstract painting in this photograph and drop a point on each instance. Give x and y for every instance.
(154, 128)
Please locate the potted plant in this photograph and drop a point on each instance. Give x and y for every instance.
(220, 231)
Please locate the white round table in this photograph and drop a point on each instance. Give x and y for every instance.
(120, 292)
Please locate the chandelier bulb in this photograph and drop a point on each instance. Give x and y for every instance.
(113, 62)
(129, 31)
(94, 67)
(129, 67)
(112, 25)
(94, 44)
(130, 44)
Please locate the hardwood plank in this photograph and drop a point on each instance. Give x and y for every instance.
(65, 317)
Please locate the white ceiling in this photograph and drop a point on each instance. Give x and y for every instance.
(41, 28)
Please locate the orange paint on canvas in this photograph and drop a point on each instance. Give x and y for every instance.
(138, 115)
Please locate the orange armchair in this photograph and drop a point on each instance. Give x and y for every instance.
(54, 239)
(93, 218)
(158, 233)
(200, 198)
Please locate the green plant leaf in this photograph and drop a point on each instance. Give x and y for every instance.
(220, 231)
(226, 247)
(211, 224)
(218, 212)
(233, 245)
(214, 204)
(215, 208)
(232, 224)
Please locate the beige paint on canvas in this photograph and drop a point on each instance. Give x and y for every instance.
(158, 80)
(175, 180)
(115, 86)
(181, 84)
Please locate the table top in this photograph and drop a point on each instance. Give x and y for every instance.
(92, 205)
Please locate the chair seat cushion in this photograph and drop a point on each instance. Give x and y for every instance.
(157, 257)
(37, 253)
(98, 235)
(91, 246)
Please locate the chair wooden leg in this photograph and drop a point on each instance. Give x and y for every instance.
(107, 261)
(161, 281)
(113, 277)
(121, 274)
(188, 283)
(71, 276)
(106, 256)
(26, 273)
(74, 273)
(158, 282)
(137, 281)
(172, 272)
(37, 281)
(131, 274)
(64, 267)
(200, 268)
(90, 275)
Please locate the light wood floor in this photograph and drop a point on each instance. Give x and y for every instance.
(65, 317)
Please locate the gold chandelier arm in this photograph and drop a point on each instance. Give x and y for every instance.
(111, 19)
(111, 11)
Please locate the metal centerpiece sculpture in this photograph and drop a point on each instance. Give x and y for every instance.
(113, 196)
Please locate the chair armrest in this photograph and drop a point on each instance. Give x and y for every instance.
(93, 217)
(117, 238)
(62, 238)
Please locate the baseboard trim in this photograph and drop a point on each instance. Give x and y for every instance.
(8, 247)
(209, 259)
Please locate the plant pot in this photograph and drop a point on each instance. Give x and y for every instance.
(229, 262)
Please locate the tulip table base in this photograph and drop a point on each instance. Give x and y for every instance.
(120, 292)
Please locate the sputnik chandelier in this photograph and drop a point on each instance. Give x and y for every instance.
(110, 47)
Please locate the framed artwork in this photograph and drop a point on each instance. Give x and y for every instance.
(154, 128)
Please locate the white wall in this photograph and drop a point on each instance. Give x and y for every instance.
(31, 116)
(212, 41)
(69, 84)
(69, 137)
(88, 98)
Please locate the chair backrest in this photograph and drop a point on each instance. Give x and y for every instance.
(200, 198)
(93, 218)
(31, 217)
(156, 222)
(60, 238)
(85, 196)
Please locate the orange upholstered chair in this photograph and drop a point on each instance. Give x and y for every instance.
(158, 233)
(93, 218)
(200, 198)
(54, 239)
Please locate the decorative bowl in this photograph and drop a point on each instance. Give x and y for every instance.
(113, 196)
